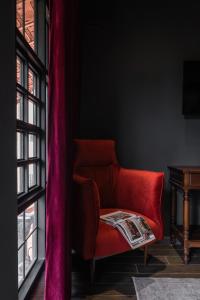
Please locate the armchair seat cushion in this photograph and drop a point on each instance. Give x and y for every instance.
(102, 186)
(110, 241)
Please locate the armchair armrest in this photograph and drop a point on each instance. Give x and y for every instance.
(85, 216)
(141, 191)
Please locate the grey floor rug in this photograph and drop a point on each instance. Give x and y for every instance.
(148, 288)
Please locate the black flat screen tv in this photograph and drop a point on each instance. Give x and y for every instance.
(191, 89)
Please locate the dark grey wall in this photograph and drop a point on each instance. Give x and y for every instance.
(8, 219)
(132, 60)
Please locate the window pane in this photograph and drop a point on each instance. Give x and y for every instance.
(20, 225)
(20, 145)
(32, 175)
(30, 218)
(32, 145)
(20, 180)
(19, 65)
(19, 106)
(30, 251)
(20, 265)
(31, 112)
(32, 82)
(47, 42)
(19, 15)
(30, 22)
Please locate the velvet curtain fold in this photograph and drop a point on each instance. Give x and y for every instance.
(62, 125)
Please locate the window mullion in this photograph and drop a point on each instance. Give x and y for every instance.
(31, 85)
(37, 211)
(24, 236)
(23, 17)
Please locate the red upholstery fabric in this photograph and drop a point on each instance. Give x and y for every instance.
(85, 220)
(103, 186)
(141, 191)
(105, 178)
(97, 160)
(109, 240)
(94, 153)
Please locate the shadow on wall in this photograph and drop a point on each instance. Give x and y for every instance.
(131, 82)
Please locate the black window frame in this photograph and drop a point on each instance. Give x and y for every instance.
(30, 58)
(36, 61)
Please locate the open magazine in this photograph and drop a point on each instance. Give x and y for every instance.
(134, 228)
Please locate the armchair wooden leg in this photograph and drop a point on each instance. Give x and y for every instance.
(145, 254)
(92, 270)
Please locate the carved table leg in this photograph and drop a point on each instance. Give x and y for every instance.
(173, 213)
(186, 225)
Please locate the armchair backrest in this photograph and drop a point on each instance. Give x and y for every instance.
(96, 159)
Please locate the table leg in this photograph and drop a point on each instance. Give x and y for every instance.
(186, 224)
(173, 213)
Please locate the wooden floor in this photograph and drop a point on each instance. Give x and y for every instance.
(114, 274)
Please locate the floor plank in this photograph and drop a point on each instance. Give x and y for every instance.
(114, 274)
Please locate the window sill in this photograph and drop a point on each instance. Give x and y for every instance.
(26, 287)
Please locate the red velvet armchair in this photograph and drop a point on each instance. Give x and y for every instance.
(101, 186)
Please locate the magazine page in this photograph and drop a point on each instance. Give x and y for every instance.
(116, 217)
(142, 243)
(133, 235)
(131, 231)
(122, 231)
(133, 228)
(144, 228)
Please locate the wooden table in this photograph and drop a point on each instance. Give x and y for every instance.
(184, 179)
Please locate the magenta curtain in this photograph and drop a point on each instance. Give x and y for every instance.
(62, 124)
